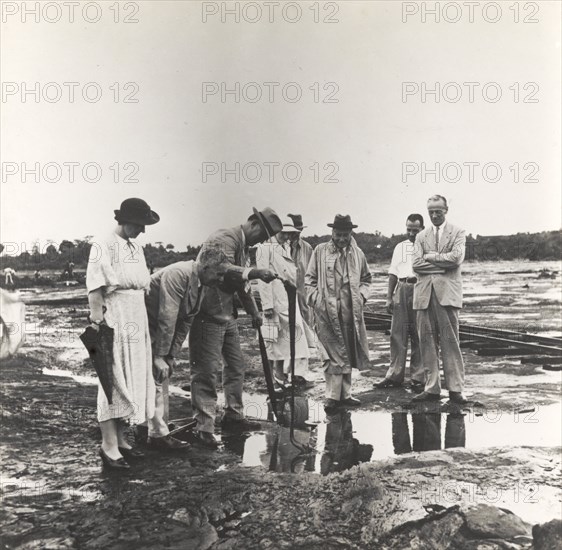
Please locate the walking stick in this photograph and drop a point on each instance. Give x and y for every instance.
(292, 297)
(268, 376)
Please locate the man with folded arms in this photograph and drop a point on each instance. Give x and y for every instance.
(399, 302)
(224, 258)
(437, 301)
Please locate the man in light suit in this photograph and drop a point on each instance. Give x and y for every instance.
(438, 299)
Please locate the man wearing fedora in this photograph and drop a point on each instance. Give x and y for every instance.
(338, 284)
(301, 252)
(437, 300)
(214, 332)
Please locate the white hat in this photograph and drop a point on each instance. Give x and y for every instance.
(289, 226)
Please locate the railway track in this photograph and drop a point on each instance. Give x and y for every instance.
(487, 341)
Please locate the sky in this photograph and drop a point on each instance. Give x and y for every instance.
(332, 99)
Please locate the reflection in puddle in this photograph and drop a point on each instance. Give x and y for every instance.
(345, 439)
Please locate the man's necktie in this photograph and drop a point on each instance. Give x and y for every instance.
(437, 238)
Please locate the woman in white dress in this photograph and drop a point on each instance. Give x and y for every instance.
(116, 279)
(275, 255)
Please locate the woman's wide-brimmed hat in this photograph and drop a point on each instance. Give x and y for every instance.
(269, 220)
(297, 221)
(136, 211)
(342, 222)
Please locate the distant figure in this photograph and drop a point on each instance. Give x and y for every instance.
(70, 269)
(338, 284)
(399, 302)
(13, 315)
(150, 266)
(8, 276)
(37, 275)
(438, 299)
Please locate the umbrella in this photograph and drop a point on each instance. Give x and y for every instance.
(99, 344)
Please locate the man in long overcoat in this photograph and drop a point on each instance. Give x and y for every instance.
(338, 284)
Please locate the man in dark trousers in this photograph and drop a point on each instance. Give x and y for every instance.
(214, 332)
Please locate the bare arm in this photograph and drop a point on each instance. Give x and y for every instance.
(392, 282)
(95, 301)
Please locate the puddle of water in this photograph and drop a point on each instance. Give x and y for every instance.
(80, 378)
(86, 379)
(346, 438)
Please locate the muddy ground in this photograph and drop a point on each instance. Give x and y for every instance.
(56, 495)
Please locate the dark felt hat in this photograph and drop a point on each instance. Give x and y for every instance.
(269, 220)
(297, 221)
(342, 222)
(136, 211)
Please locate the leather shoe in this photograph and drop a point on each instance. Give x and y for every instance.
(167, 443)
(351, 402)
(119, 464)
(424, 396)
(457, 397)
(331, 405)
(206, 439)
(417, 387)
(387, 383)
(131, 453)
(239, 424)
(303, 383)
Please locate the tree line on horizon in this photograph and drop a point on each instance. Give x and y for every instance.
(378, 248)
